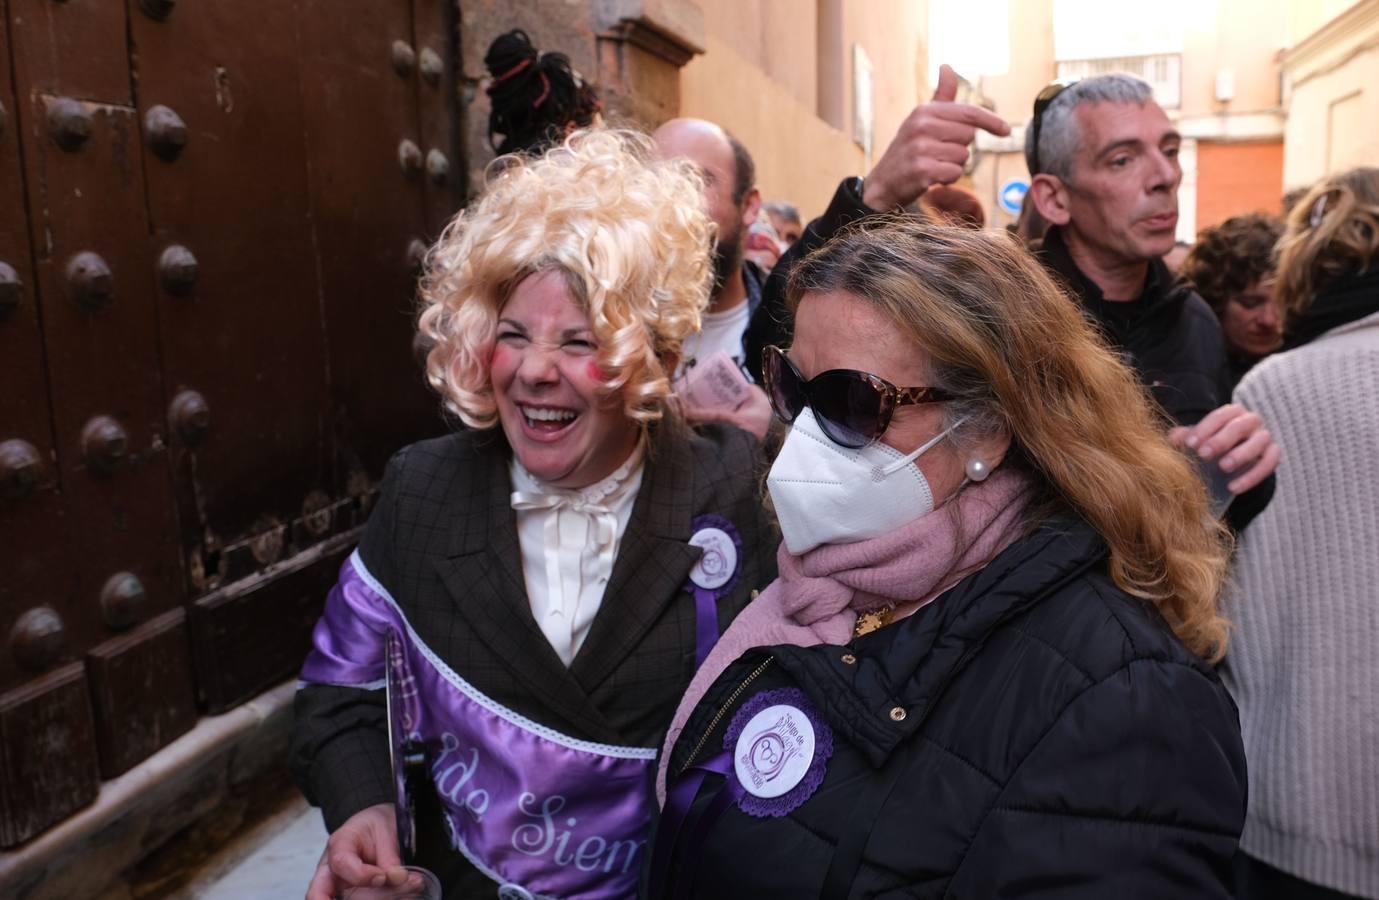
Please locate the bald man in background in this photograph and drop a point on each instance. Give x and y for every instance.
(732, 200)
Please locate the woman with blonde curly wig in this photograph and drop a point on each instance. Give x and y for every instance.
(985, 668)
(536, 589)
(1302, 664)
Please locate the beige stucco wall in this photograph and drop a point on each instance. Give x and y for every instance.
(893, 32)
(1244, 37)
(1031, 66)
(778, 37)
(1331, 86)
(760, 77)
(1306, 16)
(798, 157)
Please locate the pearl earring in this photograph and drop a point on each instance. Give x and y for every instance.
(977, 470)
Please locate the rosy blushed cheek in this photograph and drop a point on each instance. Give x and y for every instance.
(499, 357)
(594, 372)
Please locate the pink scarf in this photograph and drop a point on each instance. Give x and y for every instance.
(818, 595)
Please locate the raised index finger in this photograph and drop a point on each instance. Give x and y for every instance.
(969, 114)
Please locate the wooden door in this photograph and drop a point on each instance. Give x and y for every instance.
(210, 215)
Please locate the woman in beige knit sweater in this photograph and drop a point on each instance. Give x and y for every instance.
(1304, 659)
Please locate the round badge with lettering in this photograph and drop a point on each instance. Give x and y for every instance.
(780, 749)
(718, 564)
(774, 751)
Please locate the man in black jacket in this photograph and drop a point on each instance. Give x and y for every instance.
(1106, 175)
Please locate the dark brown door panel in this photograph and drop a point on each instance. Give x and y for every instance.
(361, 74)
(248, 337)
(75, 48)
(99, 320)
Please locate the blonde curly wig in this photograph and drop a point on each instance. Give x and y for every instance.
(628, 235)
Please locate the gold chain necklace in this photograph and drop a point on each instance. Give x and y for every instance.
(872, 619)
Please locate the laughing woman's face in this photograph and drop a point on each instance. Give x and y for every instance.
(546, 383)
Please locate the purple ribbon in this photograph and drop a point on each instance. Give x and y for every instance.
(526, 805)
(676, 812)
(706, 598)
(705, 624)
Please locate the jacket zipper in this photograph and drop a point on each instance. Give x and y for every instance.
(722, 711)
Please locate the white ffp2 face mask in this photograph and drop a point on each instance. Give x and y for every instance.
(825, 493)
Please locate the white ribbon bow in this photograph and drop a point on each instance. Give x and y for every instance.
(606, 535)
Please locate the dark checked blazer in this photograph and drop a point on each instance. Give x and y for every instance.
(443, 540)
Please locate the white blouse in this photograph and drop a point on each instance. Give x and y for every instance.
(569, 540)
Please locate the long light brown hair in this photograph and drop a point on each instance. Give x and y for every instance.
(1332, 235)
(1019, 356)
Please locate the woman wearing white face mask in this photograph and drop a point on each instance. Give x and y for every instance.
(984, 670)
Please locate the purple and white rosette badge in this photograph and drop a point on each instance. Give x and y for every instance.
(717, 569)
(780, 748)
(713, 576)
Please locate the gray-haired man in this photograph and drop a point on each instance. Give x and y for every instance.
(1103, 158)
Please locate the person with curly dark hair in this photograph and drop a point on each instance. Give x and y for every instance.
(1233, 266)
(537, 98)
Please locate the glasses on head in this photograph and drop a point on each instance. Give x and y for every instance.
(852, 408)
(1042, 101)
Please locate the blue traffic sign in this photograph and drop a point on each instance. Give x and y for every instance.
(1012, 195)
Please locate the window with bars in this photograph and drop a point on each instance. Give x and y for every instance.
(1163, 71)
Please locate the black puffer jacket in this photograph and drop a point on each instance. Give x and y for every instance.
(1168, 334)
(1033, 732)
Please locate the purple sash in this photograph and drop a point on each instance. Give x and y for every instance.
(531, 808)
